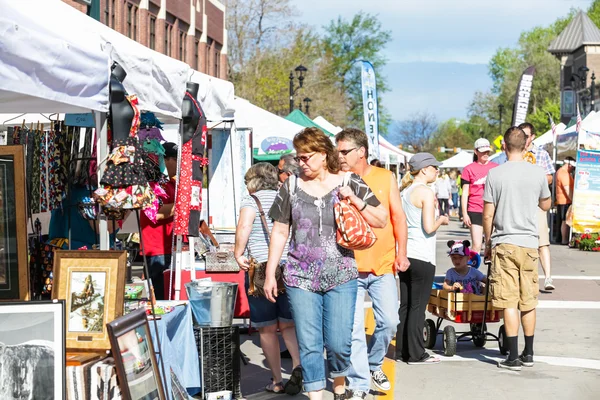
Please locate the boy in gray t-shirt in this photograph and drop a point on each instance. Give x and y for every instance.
(513, 192)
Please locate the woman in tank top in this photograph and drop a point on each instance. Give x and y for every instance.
(418, 201)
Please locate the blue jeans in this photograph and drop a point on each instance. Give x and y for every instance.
(323, 319)
(383, 292)
(263, 313)
(455, 200)
(157, 266)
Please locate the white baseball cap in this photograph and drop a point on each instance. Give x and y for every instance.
(482, 145)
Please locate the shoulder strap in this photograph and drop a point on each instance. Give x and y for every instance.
(293, 180)
(263, 219)
(347, 177)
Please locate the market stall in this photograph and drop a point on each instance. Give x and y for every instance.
(458, 161)
(54, 59)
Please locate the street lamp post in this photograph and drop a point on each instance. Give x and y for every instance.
(500, 112)
(593, 93)
(307, 101)
(300, 71)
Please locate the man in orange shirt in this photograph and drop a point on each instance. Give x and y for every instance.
(564, 195)
(377, 268)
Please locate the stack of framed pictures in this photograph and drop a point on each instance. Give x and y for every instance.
(92, 283)
(32, 360)
(135, 358)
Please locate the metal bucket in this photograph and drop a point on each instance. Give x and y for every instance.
(212, 302)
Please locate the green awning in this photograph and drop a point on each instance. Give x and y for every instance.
(300, 118)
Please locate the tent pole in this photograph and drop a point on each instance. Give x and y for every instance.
(101, 153)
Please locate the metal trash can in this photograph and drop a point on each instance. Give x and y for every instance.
(212, 303)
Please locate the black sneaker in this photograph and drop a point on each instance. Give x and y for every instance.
(339, 396)
(526, 360)
(513, 365)
(380, 380)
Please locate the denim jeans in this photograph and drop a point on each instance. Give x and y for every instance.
(157, 266)
(323, 319)
(383, 292)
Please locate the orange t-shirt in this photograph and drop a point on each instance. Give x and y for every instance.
(563, 178)
(379, 259)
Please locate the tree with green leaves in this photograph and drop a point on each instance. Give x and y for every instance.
(347, 41)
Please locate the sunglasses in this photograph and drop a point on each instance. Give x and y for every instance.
(280, 171)
(304, 159)
(346, 152)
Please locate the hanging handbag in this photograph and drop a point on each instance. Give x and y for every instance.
(221, 261)
(353, 232)
(257, 273)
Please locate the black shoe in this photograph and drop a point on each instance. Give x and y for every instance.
(339, 396)
(294, 385)
(285, 354)
(526, 360)
(513, 365)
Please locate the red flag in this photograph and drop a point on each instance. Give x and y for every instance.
(578, 124)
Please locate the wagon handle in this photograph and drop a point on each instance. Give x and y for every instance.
(488, 263)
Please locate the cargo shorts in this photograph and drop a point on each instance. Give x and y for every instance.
(513, 277)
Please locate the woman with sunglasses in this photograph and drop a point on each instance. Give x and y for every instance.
(320, 276)
(418, 201)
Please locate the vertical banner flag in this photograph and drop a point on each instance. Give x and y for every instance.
(522, 96)
(586, 208)
(578, 123)
(369, 94)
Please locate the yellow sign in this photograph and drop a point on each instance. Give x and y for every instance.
(498, 142)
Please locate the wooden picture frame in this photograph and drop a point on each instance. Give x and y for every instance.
(32, 363)
(135, 359)
(92, 283)
(14, 266)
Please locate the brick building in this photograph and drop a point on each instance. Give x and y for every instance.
(192, 31)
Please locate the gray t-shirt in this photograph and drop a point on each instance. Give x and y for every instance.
(515, 189)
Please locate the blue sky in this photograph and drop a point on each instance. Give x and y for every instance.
(440, 48)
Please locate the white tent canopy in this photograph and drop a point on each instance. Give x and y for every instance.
(548, 137)
(388, 149)
(216, 97)
(327, 125)
(46, 64)
(270, 133)
(82, 44)
(459, 160)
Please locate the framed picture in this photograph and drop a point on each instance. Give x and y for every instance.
(135, 358)
(92, 283)
(32, 360)
(14, 268)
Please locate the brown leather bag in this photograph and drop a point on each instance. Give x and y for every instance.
(257, 272)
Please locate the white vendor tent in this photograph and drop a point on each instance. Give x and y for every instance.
(459, 161)
(46, 65)
(547, 137)
(394, 154)
(272, 135)
(327, 125)
(158, 81)
(216, 97)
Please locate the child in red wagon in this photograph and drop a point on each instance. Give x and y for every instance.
(463, 277)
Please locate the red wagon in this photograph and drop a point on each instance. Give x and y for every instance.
(462, 308)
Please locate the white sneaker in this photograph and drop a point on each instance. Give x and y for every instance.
(358, 395)
(380, 380)
(548, 285)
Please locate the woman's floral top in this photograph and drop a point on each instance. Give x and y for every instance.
(315, 261)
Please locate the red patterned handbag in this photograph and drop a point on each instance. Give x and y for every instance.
(353, 232)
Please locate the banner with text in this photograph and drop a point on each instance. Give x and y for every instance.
(522, 96)
(369, 94)
(586, 199)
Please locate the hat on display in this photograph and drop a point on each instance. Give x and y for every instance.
(423, 160)
(483, 145)
(459, 247)
(171, 149)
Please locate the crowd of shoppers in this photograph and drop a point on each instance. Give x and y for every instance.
(321, 304)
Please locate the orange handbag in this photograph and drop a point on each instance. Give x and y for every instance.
(353, 232)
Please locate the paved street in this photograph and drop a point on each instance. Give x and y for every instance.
(567, 345)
